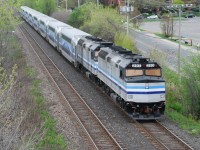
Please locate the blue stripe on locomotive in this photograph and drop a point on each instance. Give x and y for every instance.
(121, 85)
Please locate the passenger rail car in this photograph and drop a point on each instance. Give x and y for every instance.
(133, 81)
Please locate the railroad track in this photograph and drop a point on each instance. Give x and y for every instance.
(94, 132)
(161, 137)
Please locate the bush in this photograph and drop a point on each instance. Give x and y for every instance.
(176, 106)
(80, 15)
(104, 23)
(191, 86)
(121, 39)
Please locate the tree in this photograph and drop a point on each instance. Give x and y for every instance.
(191, 86)
(8, 20)
(46, 7)
(31, 3)
(121, 39)
(104, 23)
(81, 15)
(101, 22)
(167, 26)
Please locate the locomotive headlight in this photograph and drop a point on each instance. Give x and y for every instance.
(130, 96)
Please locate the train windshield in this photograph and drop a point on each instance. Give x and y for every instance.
(133, 72)
(153, 72)
(139, 72)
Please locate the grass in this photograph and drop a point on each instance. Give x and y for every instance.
(174, 108)
(170, 39)
(51, 139)
(187, 123)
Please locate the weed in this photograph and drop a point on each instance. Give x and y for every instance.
(51, 140)
(186, 123)
(30, 72)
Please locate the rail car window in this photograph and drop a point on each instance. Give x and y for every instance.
(153, 72)
(133, 72)
(42, 22)
(66, 38)
(52, 29)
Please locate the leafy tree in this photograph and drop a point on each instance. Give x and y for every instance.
(121, 39)
(8, 20)
(31, 3)
(101, 22)
(191, 86)
(46, 7)
(104, 23)
(81, 15)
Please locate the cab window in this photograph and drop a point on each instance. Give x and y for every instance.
(95, 54)
(133, 72)
(153, 72)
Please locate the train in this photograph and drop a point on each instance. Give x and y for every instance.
(131, 80)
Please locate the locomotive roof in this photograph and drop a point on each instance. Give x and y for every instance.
(94, 42)
(122, 56)
(46, 18)
(72, 32)
(29, 10)
(57, 24)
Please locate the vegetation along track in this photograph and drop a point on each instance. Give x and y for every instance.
(94, 132)
(161, 137)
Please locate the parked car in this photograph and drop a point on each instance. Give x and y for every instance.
(189, 16)
(152, 17)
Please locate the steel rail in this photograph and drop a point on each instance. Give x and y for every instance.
(160, 135)
(98, 143)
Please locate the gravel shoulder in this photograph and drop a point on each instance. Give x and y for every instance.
(64, 124)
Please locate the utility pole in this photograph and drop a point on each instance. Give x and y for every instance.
(78, 3)
(127, 17)
(66, 5)
(179, 45)
(97, 3)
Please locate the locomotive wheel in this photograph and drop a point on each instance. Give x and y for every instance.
(122, 104)
(107, 90)
(99, 83)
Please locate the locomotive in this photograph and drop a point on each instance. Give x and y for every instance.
(132, 81)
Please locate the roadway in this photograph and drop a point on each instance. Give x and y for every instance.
(189, 28)
(146, 42)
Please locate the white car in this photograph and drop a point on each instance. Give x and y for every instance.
(152, 17)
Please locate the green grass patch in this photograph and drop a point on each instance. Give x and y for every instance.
(173, 39)
(151, 20)
(161, 35)
(186, 123)
(51, 139)
(174, 104)
(30, 72)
